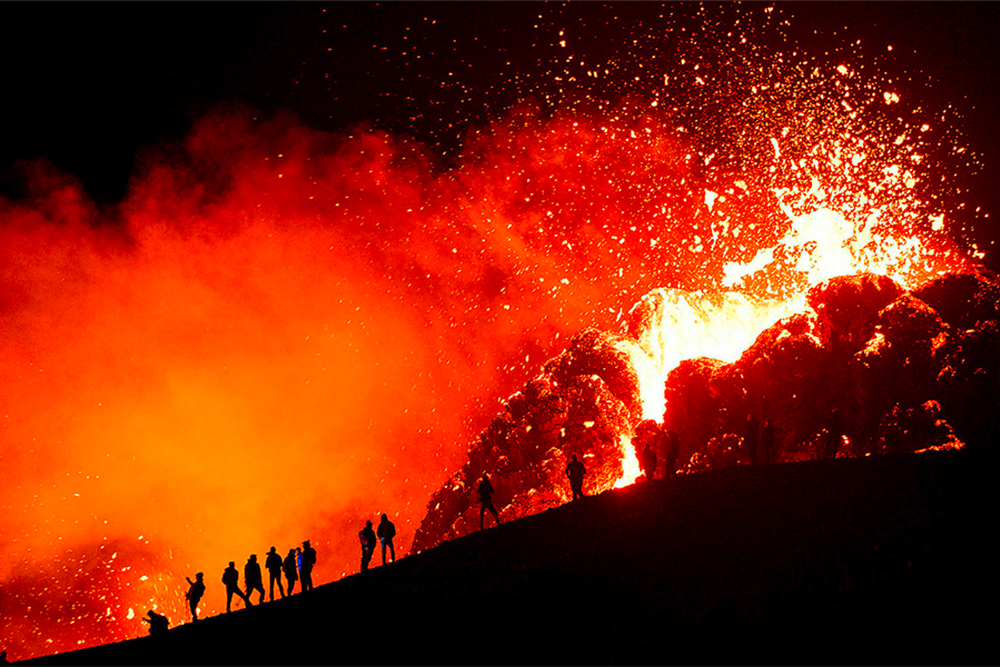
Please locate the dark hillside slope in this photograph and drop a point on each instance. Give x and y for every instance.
(878, 560)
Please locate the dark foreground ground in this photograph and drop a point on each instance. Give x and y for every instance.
(868, 561)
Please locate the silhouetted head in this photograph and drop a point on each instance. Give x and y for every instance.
(368, 524)
(291, 552)
(306, 544)
(253, 558)
(385, 517)
(272, 551)
(232, 563)
(199, 576)
(574, 457)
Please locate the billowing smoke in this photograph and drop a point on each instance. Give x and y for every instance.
(281, 332)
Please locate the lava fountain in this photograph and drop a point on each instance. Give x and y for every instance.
(759, 230)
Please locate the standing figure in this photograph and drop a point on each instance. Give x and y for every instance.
(158, 623)
(195, 592)
(386, 531)
(308, 562)
(485, 491)
(290, 566)
(252, 578)
(575, 471)
(273, 564)
(231, 578)
(647, 461)
(367, 537)
(673, 450)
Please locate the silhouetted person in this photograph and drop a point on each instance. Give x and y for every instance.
(158, 623)
(834, 432)
(273, 565)
(367, 537)
(196, 589)
(3, 658)
(575, 471)
(751, 438)
(386, 531)
(485, 491)
(290, 566)
(306, 570)
(252, 578)
(767, 441)
(231, 578)
(670, 457)
(647, 461)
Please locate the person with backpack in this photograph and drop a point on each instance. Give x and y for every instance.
(158, 623)
(485, 491)
(386, 531)
(367, 537)
(252, 578)
(308, 562)
(291, 568)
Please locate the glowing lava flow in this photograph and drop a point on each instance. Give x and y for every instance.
(686, 325)
(681, 325)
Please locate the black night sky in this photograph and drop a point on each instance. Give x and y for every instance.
(88, 85)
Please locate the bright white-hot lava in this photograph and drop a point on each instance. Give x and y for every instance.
(819, 245)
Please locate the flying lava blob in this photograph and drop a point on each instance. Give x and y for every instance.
(281, 332)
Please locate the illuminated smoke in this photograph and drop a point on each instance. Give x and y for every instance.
(814, 181)
(282, 332)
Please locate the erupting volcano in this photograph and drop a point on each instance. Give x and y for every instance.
(283, 331)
